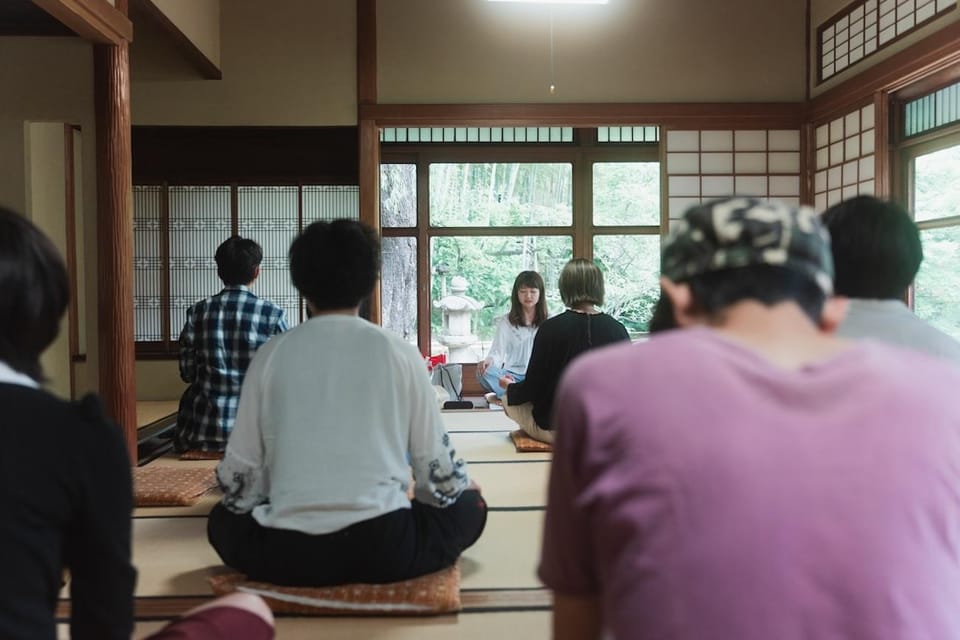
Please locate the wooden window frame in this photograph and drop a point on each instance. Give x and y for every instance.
(581, 154)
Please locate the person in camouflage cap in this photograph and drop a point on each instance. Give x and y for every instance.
(747, 474)
(741, 248)
(743, 232)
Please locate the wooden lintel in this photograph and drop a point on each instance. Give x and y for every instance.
(676, 115)
(195, 56)
(93, 20)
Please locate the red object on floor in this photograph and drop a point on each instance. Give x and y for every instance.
(433, 361)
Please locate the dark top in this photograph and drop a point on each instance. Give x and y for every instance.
(559, 340)
(66, 496)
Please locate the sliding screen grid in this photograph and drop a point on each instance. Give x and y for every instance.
(845, 163)
(864, 28)
(183, 237)
(702, 165)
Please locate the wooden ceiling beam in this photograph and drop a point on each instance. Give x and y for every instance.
(94, 20)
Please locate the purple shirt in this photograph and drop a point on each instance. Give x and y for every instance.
(702, 492)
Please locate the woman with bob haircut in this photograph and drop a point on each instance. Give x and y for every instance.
(559, 340)
(513, 337)
(65, 479)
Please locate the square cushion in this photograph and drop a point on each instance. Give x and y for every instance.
(526, 444)
(171, 486)
(432, 594)
(194, 454)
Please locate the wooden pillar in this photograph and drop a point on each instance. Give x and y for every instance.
(115, 238)
(369, 132)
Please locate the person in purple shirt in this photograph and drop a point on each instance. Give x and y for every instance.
(748, 475)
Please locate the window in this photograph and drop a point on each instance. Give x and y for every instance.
(936, 207)
(865, 26)
(177, 229)
(485, 212)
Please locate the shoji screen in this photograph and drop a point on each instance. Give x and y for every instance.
(147, 263)
(845, 162)
(321, 202)
(199, 222)
(270, 216)
(702, 165)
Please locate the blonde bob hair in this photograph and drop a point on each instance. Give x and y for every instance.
(581, 282)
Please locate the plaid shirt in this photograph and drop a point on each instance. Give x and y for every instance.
(216, 345)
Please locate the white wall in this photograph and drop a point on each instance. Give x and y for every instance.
(284, 63)
(46, 207)
(474, 51)
(199, 20)
(51, 80)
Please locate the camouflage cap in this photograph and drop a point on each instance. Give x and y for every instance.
(741, 232)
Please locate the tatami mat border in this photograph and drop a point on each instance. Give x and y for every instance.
(543, 460)
(169, 516)
(474, 601)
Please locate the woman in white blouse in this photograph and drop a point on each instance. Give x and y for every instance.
(513, 338)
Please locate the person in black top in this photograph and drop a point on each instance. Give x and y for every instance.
(65, 486)
(561, 339)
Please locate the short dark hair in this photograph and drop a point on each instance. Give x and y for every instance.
(662, 318)
(531, 280)
(34, 293)
(714, 291)
(237, 260)
(581, 281)
(335, 265)
(876, 248)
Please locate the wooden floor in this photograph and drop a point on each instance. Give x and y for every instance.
(500, 591)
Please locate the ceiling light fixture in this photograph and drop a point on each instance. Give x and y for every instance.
(556, 1)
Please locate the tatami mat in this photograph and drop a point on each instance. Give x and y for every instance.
(491, 447)
(507, 554)
(174, 558)
(149, 411)
(511, 485)
(465, 626)
(477, 420)
(503, 486)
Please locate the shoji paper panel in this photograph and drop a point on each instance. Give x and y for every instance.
(708, 164)
(845, 162)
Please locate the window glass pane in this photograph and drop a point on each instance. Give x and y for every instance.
(269, 216)
(398, 287)
(626, 193)
(398, 195)
(500, 194)
(199, 222)
(147, 264)
(489, 265)
(935, 193)
(937, 288)
(631, 273)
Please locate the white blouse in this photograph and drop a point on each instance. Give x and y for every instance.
(328, 413)
(511, 346)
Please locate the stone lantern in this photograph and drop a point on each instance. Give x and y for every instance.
(458, 309)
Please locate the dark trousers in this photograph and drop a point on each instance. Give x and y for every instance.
(396, 546)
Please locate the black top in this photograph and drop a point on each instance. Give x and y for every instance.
(558, 341)
(66, 499)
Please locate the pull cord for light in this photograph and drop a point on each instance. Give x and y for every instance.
(553, 74)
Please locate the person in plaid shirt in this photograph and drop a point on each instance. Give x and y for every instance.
(216, 345)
